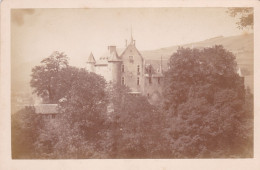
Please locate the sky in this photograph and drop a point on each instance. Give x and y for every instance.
(36, 33)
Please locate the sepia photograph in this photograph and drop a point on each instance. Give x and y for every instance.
(132, 83)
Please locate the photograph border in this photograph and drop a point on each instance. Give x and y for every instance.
(6, 161)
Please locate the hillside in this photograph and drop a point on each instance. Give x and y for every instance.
(242, 46)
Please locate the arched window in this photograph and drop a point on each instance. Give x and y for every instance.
(123, 68)
(123, 81)
(138, 69)
(138, 81)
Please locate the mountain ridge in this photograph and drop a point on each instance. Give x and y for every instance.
(242, 46)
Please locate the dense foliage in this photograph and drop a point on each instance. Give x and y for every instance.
(26, 128)
(79, 128)
(46, 78)
(245, 15)
(205, 99)
(206, 113)
(135, 125)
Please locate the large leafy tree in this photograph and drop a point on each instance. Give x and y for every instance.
(86, 93)
(245, 17)
(79, 131)
(135, 126)
(204, 70)
(46, 77)
(204, 100)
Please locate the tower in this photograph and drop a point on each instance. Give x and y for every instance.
(114, 63)
(91, 63)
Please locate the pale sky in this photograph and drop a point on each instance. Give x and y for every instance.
(37, 33)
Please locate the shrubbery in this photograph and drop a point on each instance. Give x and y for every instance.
(206, 113)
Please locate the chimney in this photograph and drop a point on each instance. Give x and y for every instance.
(112, 49)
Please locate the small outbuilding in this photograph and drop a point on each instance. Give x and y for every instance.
(49, 110)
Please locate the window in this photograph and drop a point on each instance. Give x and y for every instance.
(150, 69)
(138, 69)
(159, 80)
(53, 116)
(123, 68)
(123, 81)
(138, 81)
(150, 80)
(131, 59)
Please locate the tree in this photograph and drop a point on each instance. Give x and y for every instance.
(86, 93)
(205, 103)
(135, 126)
(246, 16)
(209, 68)
(80, 130)
(46, 77)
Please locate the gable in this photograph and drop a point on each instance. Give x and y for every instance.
(131, 50)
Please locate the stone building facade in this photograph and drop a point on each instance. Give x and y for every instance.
(129, 68)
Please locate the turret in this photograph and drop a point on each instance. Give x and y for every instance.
(91, 63)
(115, 64)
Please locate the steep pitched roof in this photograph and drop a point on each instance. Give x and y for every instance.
(129, 46)
(91, 58)
(114, 57)
(106, 55)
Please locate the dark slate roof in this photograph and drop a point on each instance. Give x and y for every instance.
(46, 109)
(106, 55)
(114, 57)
